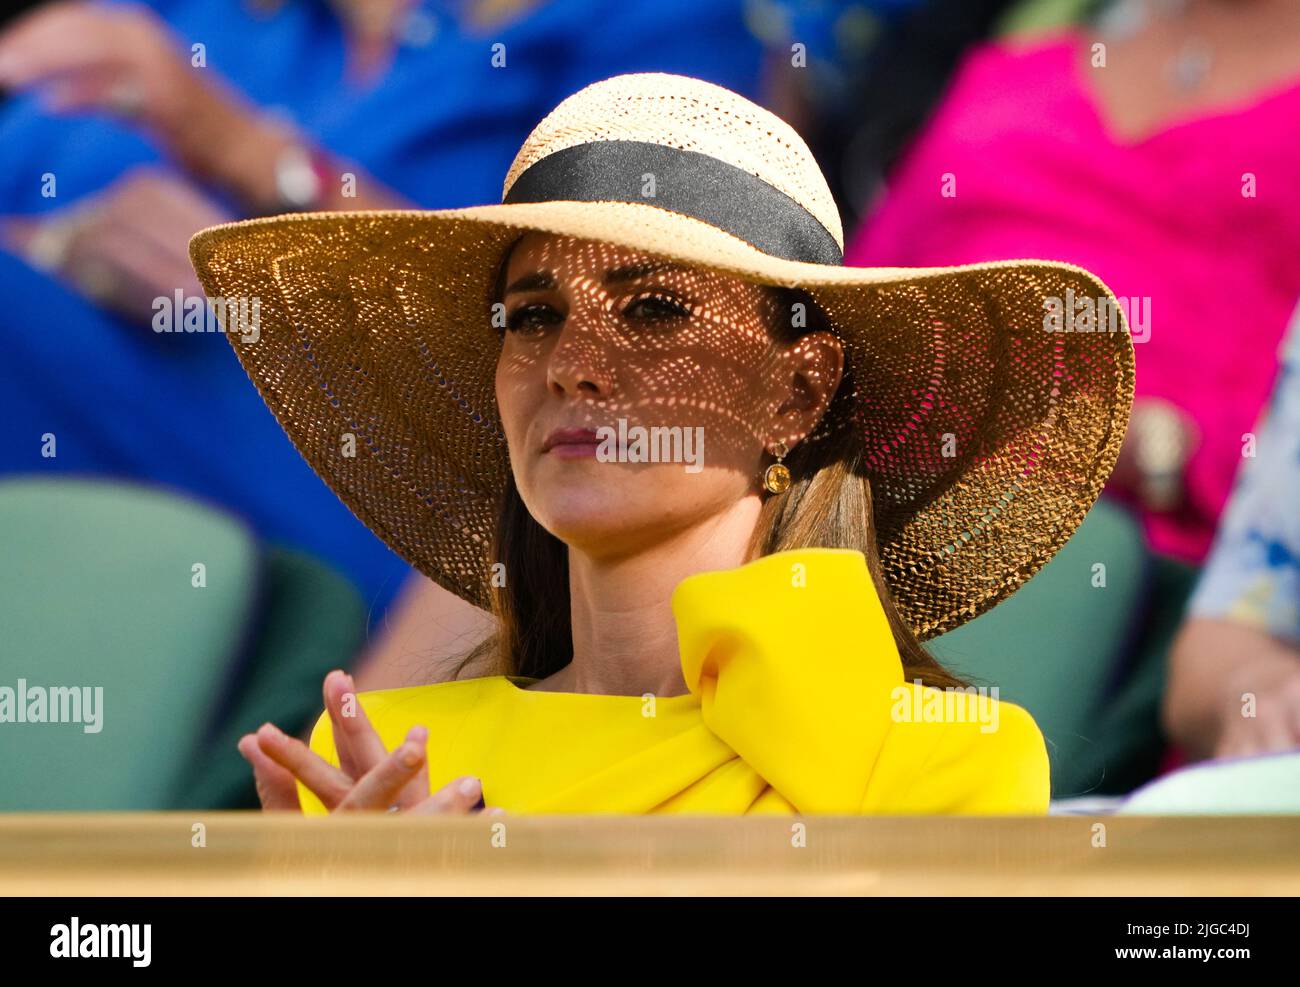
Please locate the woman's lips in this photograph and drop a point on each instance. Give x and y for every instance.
(572, 443)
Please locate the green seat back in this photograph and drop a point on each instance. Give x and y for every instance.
(314, 621)
(1058, 645)
(98, 589)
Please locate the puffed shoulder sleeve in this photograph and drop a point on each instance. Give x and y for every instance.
(797, 671)
(794, 663)
(954, 752)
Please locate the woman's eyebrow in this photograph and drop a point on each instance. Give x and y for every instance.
(537, 281)
(635, 272)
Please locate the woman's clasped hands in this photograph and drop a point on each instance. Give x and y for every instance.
(369, 777)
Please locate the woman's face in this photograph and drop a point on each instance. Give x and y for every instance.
(638, 396)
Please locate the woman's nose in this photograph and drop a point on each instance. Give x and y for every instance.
(580, 361)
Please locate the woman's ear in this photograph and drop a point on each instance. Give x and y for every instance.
(811, 370)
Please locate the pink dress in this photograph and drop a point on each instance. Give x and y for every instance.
(1161, 219)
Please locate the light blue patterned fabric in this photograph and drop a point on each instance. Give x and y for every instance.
(1253, 573)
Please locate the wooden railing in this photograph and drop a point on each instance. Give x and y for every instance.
(221, 853)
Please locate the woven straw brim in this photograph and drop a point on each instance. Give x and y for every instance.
(986, 436)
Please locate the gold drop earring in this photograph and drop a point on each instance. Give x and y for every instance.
(776, 478)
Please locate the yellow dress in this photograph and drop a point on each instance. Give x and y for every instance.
(797, 705)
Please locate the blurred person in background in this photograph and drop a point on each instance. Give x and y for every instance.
(1153, 148)
(1234, 687)
(859, 78)
(131, 126)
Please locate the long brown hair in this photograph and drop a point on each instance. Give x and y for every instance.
(827, 505)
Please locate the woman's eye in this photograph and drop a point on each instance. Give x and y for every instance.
(532, 318)
(656, 308)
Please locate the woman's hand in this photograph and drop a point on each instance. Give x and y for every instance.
(1233, 690)
(126, 247)
(368, 777)
(123, 60)
(1153, 457)
(120, 59)
(1274, 725)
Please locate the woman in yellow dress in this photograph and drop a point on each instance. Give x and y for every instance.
(714, 487)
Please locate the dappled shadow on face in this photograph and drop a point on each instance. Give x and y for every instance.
(596, 336)
(632, 389)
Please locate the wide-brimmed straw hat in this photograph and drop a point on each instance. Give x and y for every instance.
(988, 421)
